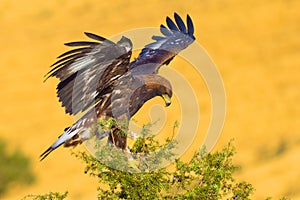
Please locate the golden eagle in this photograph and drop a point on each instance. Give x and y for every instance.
(98, 78)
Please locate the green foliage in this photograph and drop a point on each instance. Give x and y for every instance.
(49, 196)
(206, 176)
(138, 173)
(109, 124)
(14, 168)
(209, 176)
(145, 155)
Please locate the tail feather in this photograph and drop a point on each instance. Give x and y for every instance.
(67, 135)
(48, 151)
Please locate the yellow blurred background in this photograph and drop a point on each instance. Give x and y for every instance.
(255, 44)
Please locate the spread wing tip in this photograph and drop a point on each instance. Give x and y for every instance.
(178, 26)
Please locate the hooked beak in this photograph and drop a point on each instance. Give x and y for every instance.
(167, 99)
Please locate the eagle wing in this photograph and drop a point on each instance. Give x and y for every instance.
(88, 71)
(175, 38)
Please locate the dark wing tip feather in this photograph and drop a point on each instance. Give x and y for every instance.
(94, 36)
(98, 37)
(180, 23)
(190, 26)
(171, 24)
(81, 43)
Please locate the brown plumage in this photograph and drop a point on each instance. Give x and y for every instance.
(136, 91)
(97, 78)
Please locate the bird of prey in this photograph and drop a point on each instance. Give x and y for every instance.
(98, 78)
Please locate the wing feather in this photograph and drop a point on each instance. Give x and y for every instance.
(176, 37)
(98, 37)
(85, 71)
(94, 36)
(155, 37)
(172, 26)
(78, 50)
(180, 23)
(81, 43)
(68, 57)
(190, 26)
(165, 31)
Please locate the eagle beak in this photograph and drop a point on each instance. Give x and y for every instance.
(167, 99)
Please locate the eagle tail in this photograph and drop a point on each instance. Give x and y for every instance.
(66, 136)
(47, 152)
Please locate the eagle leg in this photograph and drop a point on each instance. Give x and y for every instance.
(117, 137)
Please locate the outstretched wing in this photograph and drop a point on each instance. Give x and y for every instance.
(175, 38)
(88, 70)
